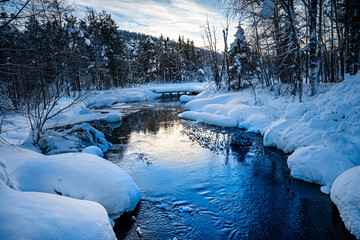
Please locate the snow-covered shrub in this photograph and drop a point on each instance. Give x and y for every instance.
(90, 134)
(53, 142)
(72, 140)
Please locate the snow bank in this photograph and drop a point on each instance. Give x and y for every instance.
(318, 164)
(322, 134)
(345, 194)
(209, 118)
(108, 98)
(186, 98)
(178, 87)
(76, 175)
(104, 102)
(33, 215)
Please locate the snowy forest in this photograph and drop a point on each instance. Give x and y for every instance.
(286, 42)
(276, 42)
(49, 48)
(107, 133)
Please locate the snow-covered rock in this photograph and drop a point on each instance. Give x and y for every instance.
(76, 175)
(34, 215)
(114, 117)
(93, 150)
(345, 194)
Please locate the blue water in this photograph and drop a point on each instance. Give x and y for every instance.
(205, 182)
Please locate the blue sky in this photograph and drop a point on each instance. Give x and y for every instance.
(169, 17)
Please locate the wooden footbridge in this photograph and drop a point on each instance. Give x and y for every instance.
(168, 91)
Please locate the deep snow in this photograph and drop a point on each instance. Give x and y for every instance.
(345, 193)
(76, 175)
(321, 134)
(34, 215)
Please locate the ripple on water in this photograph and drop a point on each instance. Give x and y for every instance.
(205, 182)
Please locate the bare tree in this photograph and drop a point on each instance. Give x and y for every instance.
(226, 50)
(43, 105)
(18, 9)
(211, 45)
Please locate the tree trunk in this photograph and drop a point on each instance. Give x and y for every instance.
(313, 48)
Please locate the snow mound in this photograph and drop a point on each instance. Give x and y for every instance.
(186, 98)
(114, 117)
(33, 215)
(93, 150)
(104, 102)
(214, 119)
(345, 194)
(123, 95)
(318, 164)
(76, 175)
(193, 87)
(85, 111)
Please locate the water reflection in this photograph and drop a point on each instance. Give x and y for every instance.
(204, 182)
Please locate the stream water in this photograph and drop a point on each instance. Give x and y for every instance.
(204, 182)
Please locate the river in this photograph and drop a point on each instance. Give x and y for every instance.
(204, 182)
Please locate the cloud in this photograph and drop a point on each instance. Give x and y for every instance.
(168, 17)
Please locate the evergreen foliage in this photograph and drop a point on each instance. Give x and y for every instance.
(49, 48)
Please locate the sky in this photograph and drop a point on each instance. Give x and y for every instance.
(168, 17)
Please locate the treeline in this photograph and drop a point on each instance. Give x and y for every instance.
(46, 49)
(293, 41)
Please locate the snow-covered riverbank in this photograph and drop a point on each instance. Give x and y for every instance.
(321, 134)
(70, 195)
